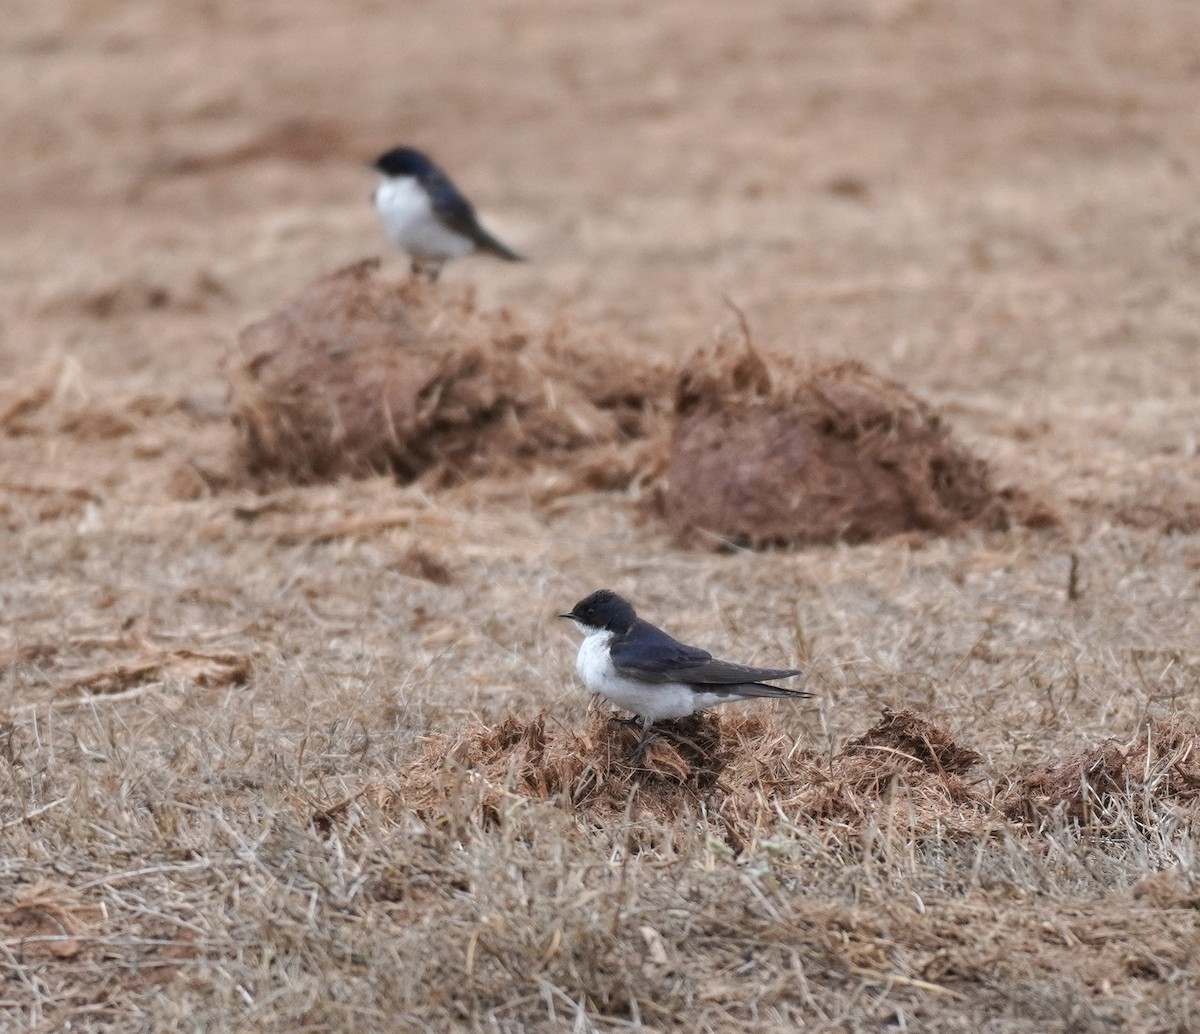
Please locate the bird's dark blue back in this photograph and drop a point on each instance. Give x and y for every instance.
(649, 654)
(648, 649)
(447, 201)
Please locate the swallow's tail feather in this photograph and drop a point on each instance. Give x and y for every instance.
(759, 689)
(486, 242)
(746, 690)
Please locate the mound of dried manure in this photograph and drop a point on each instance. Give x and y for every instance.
(360, 375)
(769, 452)
(743, 769)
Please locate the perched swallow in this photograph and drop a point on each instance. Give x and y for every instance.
(424, 214)
(644, 670)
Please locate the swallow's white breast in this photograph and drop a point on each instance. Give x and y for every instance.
(410, 223)
(647, 700)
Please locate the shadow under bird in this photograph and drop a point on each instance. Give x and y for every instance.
(642, 669)
(425, 214)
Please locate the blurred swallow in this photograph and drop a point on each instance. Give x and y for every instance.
(424, 214)
(644, 670)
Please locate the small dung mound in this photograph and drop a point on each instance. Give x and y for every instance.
(907, 735)
(767, 453)
(743, 768)
(906, 759)
(590, 770)
(1161, 764)
(359, 375)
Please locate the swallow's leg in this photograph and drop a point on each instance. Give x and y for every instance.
(643, 742)
(426, 270)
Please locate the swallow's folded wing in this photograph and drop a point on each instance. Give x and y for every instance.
(449, 205)
(650, 655)
(457, 213)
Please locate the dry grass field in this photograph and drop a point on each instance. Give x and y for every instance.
(315, 758)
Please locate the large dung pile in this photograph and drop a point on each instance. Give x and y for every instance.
(770, 452)
(742, 769)
(359, 374)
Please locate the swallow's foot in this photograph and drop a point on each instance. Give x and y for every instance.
(616, 719)
(426, 269)
(639, 750)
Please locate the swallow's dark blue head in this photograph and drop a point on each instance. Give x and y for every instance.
(603, 610)
(404, 161)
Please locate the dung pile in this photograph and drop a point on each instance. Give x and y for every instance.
(907, 735)
(905, 764)
(770, 452)
(1162, 764)
(360, 375)
(742, 768)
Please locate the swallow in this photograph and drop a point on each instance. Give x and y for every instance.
(424, 214)
(642, 669)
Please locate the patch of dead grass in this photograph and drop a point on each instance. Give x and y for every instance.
(1161, 765)
(1028, 269)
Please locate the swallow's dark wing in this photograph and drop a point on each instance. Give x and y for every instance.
(648, 654)
(459, 215)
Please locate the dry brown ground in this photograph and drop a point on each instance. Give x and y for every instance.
(996, 204)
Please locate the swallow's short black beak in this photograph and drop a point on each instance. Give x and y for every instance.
(568, 615)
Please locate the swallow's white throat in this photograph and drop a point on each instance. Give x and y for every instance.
(410, 223)
(593, 662)
(647, 700)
